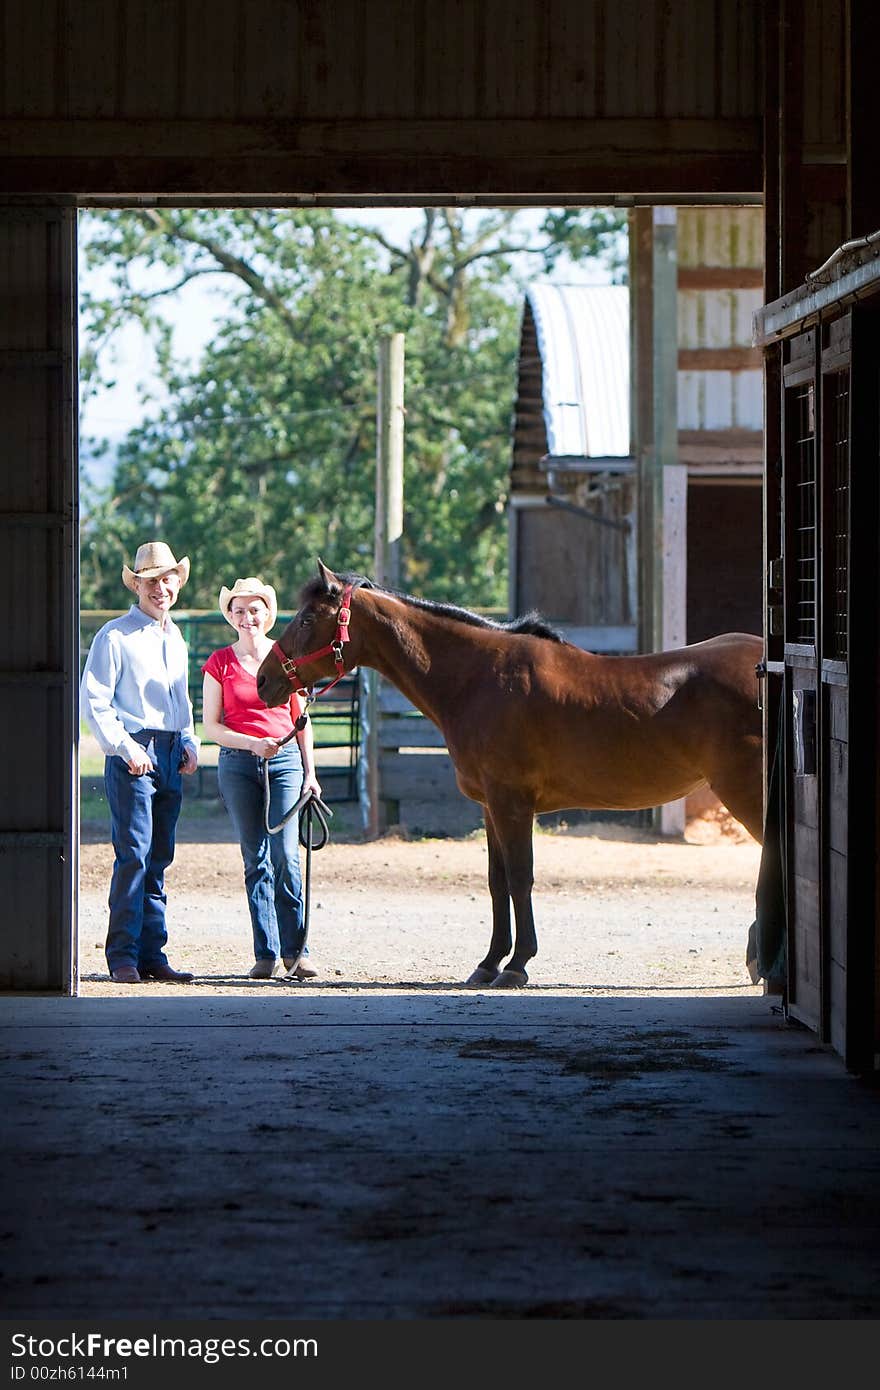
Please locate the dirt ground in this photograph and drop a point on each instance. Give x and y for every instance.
(617, 910)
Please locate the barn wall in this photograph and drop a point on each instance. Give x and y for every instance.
(269, 97)
(38, 569)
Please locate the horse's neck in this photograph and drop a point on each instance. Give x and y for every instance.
(412, 648)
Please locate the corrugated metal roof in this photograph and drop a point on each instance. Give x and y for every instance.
(583, 339)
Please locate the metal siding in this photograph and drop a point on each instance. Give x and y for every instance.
(210, 59)
(33, 894)
(38, 521)
(93, 50)
(465, 83)
(740, 42)
(631, 68)
(29, 42)
(268, 61)
(689, 88)
(573, 60)
(25, 290)
(149, 83)
(583, 337)
(446, 59)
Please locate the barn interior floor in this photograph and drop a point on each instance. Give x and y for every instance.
(442, 1154)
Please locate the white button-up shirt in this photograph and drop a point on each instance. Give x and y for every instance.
(136, 677)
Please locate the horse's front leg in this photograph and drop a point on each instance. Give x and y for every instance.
(488, 969)
(513, 828)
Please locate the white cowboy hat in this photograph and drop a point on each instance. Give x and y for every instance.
(152, 559)
(249, 588)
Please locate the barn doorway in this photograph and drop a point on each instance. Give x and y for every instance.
(460, 806)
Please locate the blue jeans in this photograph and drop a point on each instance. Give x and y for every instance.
(272, 876)
(143, 819)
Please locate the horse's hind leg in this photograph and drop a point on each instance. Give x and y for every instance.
(488, 969)
(739, 785)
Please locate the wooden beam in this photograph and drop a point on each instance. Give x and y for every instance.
(863, 190)
(792, 199)
(203, 138)
(727, 359)
(531, 157)
(737, 441)
(720, 277)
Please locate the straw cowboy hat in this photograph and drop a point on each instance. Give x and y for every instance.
(249, 588)
(152, 559)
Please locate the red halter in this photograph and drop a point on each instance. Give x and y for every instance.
(290, 667)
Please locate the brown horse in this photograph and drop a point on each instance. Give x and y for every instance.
(535, 724)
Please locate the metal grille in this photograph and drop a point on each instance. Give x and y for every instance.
(801, 459)
(837, 407)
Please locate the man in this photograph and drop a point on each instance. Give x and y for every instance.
(135, 698)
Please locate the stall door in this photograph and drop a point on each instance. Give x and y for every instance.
(834, 522)
(800, 691)
(816, 508)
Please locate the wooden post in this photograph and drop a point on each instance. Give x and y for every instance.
(669, 480)
(662, 502)
(386, 563)
(389, 461)
(641, 279)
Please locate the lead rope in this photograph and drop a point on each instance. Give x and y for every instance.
(308, 808)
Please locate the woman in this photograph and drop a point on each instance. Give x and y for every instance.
(250, 736)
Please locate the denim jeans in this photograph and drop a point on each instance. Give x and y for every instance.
(272, 875)
(143, 818)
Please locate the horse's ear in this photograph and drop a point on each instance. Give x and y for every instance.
(329, 578)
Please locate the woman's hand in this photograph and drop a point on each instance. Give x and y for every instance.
(265, 747)
(310, 784)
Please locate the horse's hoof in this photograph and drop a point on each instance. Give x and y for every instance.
(510, 979)
(482, 976)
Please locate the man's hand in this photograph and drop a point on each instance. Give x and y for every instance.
(190, 761)
(138, 766)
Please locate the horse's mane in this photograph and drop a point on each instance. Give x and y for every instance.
(530, 623)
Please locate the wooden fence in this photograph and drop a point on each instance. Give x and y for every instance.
(415, 781)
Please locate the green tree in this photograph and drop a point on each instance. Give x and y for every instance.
(264, 455)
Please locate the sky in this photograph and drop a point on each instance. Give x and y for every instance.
(193, 312)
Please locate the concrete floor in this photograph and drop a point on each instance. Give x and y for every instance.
(436, 1154)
